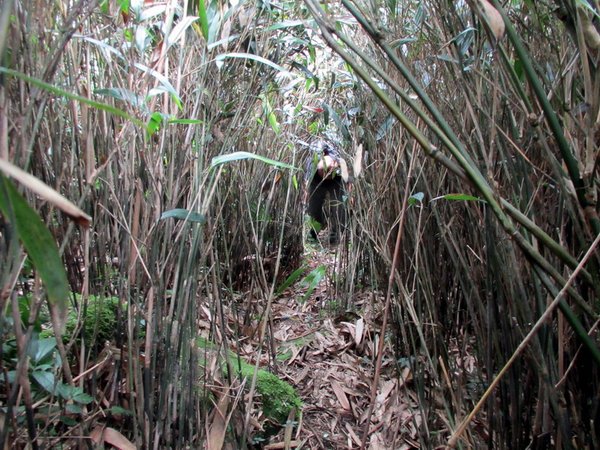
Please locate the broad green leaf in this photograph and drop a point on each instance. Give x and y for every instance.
(464, 40)
(447, 59)
(183, 214)
(399, 42)
(73, 408)
(82, 397)
(142, 38)
(42, 349)
(226, 40)
(215, 19)
(39, 244)
(104, 6)
(341, 126)
(45, 379)
(518, 68)
(66, 391)
(68, 421)
(124, 5)
(119, 410)
(237, 156)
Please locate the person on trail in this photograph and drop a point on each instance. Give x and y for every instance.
(325, 190)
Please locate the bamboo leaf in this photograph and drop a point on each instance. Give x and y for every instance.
(39, 245)
(46, 192)
(154, 123)
(180, 28)
(291, 279)
(102, 45)
(458, 197)
(123, 94)
(62, 93)
(290, 24)
(185, 122)
(312, 280)
(153, 11)
(237, 156)
(166, 84)
(184, 214)
(203, 18)
(252, 57)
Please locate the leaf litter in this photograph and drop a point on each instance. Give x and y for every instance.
(331, 364)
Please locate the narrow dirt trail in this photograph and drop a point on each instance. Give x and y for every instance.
(329, 357)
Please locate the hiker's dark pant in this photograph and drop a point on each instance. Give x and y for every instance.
(326, 206)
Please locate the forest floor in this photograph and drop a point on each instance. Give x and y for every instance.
(329, 357)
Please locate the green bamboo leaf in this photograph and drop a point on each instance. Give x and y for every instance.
(273, 122)
(184, 214)
(123, 94)
(294, 276)
(458, 197)
(185, 122)
(62, 93)
(312, 280)
(256, 58)
(39, 244)
(102, 45)
(203, 18)
(237, 156)
(154, 123)
(165, 83)
(290, 24)
(585, 5)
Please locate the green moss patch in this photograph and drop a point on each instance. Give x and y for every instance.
(99, 320)
(277, 397)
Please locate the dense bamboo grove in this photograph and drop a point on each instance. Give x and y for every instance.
(472, 142)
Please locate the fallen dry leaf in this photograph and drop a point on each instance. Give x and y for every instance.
(360, 328)
(341, 395)
(117, 440)
(218, 427)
